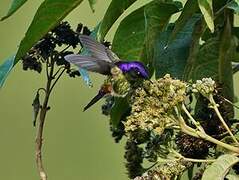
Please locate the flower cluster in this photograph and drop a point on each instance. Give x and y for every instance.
(170, 170)
(206, 86)
(158, 124)
(153, 103)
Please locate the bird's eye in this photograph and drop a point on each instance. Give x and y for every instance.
(136, 70)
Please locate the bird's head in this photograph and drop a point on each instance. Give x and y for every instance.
(135, 69)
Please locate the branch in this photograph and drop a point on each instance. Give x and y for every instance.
(196, 123)
(181, 157)
(214, 106)
(53, 85)
(39, 135)
(198, 134)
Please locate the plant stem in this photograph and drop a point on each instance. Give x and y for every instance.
(54, 83)
(182, 158)
(197, 124)
(191, 159)
(198, 134)
(214, 106)
(39, 135)
(229, 102)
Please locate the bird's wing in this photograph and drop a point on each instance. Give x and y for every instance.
(97, 49)
(90, 63)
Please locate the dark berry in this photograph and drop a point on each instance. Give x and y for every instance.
(86, 31)
(134, 158)
(192, 147)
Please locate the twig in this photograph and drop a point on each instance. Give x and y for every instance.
(228, 101)
(181, 157)
(193, 132)
(57, 79)
(214, 106)
(65, 48)
(39, 135)
(221, 10)
(58, 71)
(47, 71)
(196, 123)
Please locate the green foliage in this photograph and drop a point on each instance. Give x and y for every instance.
(48, 15)
(129, 38)
(119, 108)
(115, 9)
(220, 167)
(157, 16)
(232, 177)
(206, 63)
(226, 49)
(196, 48)
(234, 5)
(135, 36)
(15, 5)
(207, 11)
(172, 58)
(190, 8)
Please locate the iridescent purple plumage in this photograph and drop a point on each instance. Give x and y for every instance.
(133, 66)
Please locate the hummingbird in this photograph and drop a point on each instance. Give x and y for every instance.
(121, 73)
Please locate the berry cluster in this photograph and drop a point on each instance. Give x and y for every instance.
(54, 46)
(192, 147)
(134, 158)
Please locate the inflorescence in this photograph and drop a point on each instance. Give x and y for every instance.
(152, 126)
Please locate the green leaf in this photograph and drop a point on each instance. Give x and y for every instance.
(220, 168)
(16, 4)
(207, 11)
(120, 107)
(48, 15)
(213, 59)
(190, 8)
(232, 177)
(198, 33)
(190, 172)
(226, 50)
(130, 41)
(92, 3)
(206, 62)
(129, 37)
(172, 59)
(234, 5)
(157, 16)
(115, 9)
(5, 69)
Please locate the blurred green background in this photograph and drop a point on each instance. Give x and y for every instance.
(77, 145)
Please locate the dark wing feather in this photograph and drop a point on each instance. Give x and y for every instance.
(97, 49)
(90, 63)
